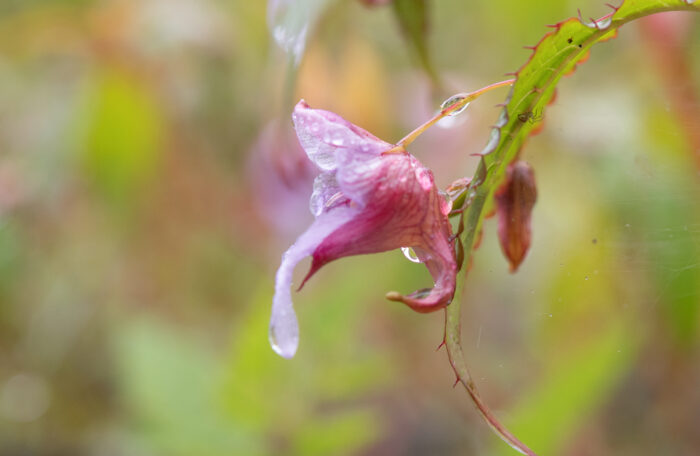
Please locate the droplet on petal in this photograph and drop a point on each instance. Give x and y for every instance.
(410, 255)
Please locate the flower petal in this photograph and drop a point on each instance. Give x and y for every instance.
(443, 269)
(321, 133)
(404, 211)
(326, 194)
(284, 328)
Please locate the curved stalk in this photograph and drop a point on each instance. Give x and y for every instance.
(532, 89)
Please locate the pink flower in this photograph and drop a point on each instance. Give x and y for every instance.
(370, 197)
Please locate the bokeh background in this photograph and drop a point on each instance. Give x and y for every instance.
(150, 180)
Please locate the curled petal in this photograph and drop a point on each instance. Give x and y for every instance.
(284, 328)
(444, 272)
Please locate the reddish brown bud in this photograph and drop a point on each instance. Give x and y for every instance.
(514, 202)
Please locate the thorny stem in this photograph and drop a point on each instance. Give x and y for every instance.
(456, 106)
(474, 216)
(453, 337)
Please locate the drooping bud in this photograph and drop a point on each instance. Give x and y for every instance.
(514, 202)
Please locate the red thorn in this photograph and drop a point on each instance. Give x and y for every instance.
(442, 344)
(554, 26)
(501, 105)
(476, 154)
(580, 16)
(455, 383)
(615, 8)
(510, 74)
(532, 48)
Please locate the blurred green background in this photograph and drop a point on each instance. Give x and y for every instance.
(150, 180)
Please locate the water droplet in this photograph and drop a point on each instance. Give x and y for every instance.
(604, 23)
(453, 100)
(281, 346)
(410, 255)
(272, 335)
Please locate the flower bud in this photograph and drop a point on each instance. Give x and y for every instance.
(514, 202)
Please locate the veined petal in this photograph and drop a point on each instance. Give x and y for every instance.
(404, 211)
(365, 202)
(321, 133)
(284, 328)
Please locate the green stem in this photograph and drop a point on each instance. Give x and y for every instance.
(496, 161)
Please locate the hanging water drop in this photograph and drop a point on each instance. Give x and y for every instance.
(281, 346)
(410, 255)
(453, 100)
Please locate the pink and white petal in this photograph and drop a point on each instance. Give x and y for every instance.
(284, 328)
(443, 268)
(358, 179)
(321, 133)
(326, 194)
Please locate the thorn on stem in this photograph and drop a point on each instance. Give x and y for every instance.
(442, 344)
(456, 382)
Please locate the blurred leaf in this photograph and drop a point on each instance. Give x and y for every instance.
(123, 134)
(342, 434)
(572, 389)
(413, 19)
(168, 387)
(674, 252)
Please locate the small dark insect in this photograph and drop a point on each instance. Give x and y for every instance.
(530, 116)
(570, 40)
(580, 45)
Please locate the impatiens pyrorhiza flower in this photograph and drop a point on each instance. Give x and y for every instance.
(370, 197)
